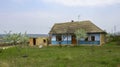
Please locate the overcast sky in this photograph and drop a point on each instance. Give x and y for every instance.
(38, 16)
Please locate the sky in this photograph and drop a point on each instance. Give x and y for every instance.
(38, 16)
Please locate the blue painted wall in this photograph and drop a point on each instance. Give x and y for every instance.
(65, 41)
(97, 36)
(81, 41)
(89, 42)
(97, 39)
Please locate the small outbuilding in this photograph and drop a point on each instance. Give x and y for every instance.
(38, 39)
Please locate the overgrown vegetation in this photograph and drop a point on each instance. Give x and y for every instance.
(80, 56)
(16, 38)
(80, 33)
(113, 39)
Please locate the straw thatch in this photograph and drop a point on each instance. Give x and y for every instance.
(71, 27)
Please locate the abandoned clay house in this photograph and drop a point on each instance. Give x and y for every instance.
(38, 39)
(95, 35)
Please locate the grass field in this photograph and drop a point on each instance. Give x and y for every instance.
(80, 56)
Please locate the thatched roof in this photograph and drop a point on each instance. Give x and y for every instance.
(71, 27)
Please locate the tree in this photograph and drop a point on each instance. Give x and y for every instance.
(80, 33)
(24, 39)
(15, 38)
(12, 38)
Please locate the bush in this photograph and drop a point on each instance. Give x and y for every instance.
(114, 38)
(118, 43)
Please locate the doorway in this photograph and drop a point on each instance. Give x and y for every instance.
(74, 41)
(34, 41)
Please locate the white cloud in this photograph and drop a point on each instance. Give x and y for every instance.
(84, 2)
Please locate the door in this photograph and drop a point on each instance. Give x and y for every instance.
(74, 41)
(34, 41)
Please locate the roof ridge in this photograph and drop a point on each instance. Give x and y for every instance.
(74, 21)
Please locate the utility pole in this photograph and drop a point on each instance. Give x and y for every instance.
(114, 29)
(78, 17)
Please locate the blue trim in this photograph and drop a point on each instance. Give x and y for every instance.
(89, 42)
(96, 42)
(80, 42)
(64, 42)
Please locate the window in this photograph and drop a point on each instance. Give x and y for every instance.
(44, 40)
(86, 39)
(92, 38)
(58, 38)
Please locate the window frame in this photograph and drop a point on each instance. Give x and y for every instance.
(92, 38)
(86, 39)
(58, 37)
(44, 40)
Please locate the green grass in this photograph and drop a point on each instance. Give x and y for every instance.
(80, 56)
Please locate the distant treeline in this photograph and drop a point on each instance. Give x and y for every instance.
(29, 35)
